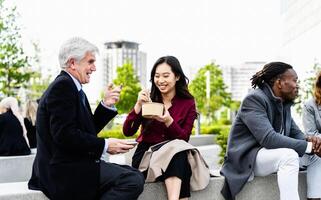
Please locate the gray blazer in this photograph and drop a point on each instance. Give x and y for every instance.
(311, 117)
(262, 121)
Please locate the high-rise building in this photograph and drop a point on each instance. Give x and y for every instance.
(237, 78)
(119, 52)
(301, 33)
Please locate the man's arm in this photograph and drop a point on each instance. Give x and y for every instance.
(254, 114)
(295, 132)
(61, 104)
(102, 116)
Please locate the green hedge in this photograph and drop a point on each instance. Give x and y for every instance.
(221, 140)
(213, 129)
(222, 132)
(115, 132)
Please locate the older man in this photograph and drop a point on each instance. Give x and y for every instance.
(68, 164)
(264, 139)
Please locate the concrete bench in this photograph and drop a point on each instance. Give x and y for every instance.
(209, 152)
(18, 168)
(15, 168)
(198, 141)
(19, 191)
(263, 188)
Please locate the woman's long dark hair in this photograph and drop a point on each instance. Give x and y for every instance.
(269, 74)
(181, 85)
(317, 89)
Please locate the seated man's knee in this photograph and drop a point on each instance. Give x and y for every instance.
(135, 180)
(141, 182)
(289, 156)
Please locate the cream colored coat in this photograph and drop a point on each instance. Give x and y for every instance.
(156, 162)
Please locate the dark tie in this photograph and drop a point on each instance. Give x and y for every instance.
(82, 96)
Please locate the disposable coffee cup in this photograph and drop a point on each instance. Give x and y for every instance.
(150, 109)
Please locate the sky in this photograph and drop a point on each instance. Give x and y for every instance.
(197, 32)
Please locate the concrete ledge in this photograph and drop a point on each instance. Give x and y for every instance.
(263, 188)
(19, 191)
(15, 168)
(18, 168)
(195, 140)
(266, 188)
(200, 140)
(157, 191)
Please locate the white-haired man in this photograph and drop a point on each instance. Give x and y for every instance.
(68, 164)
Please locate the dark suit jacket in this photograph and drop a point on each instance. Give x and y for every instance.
(67, 163)
(12, 142)
(259, 123)
(31, 133)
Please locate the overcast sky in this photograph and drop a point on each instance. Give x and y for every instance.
(195, 31)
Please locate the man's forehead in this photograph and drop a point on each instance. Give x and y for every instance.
(90, 55)
(290, 73)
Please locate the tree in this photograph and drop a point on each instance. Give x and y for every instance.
(307, 86)
(15, 70)
(218, 95)
(37, 83)
(131, 86)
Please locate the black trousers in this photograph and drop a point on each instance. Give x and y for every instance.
(178, 167)
(120, 182)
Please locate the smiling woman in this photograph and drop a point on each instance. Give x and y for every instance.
(169, 87)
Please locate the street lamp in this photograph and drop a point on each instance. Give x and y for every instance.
(208, 92)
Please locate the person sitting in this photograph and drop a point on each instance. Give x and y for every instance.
(311, 122)
(264, 139)
(30, 123)
(68, 162)
(169, 87)
(13, 134)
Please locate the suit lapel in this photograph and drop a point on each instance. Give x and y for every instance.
(85, 116)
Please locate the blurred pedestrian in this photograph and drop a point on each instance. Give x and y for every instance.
(30, 122)
(13, 134)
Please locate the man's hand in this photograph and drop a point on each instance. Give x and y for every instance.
(116, 146)
(111, 95)
(316, 144)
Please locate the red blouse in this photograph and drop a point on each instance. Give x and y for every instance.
(183, 112)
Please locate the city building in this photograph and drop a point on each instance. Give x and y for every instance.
(301, 33)
(119, 52)
(237, 78)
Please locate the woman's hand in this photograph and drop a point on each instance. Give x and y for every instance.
(166, 118)
(143, 96)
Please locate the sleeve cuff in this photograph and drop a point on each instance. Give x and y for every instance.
(104, 153)
(309, 148)
(113, 108)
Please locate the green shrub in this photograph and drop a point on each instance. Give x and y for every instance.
(213, 129)
(224, 121)
(221, 140)
(115, 132)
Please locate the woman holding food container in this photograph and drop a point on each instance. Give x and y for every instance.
(171, 117)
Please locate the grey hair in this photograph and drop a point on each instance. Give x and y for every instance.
(75, 48)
